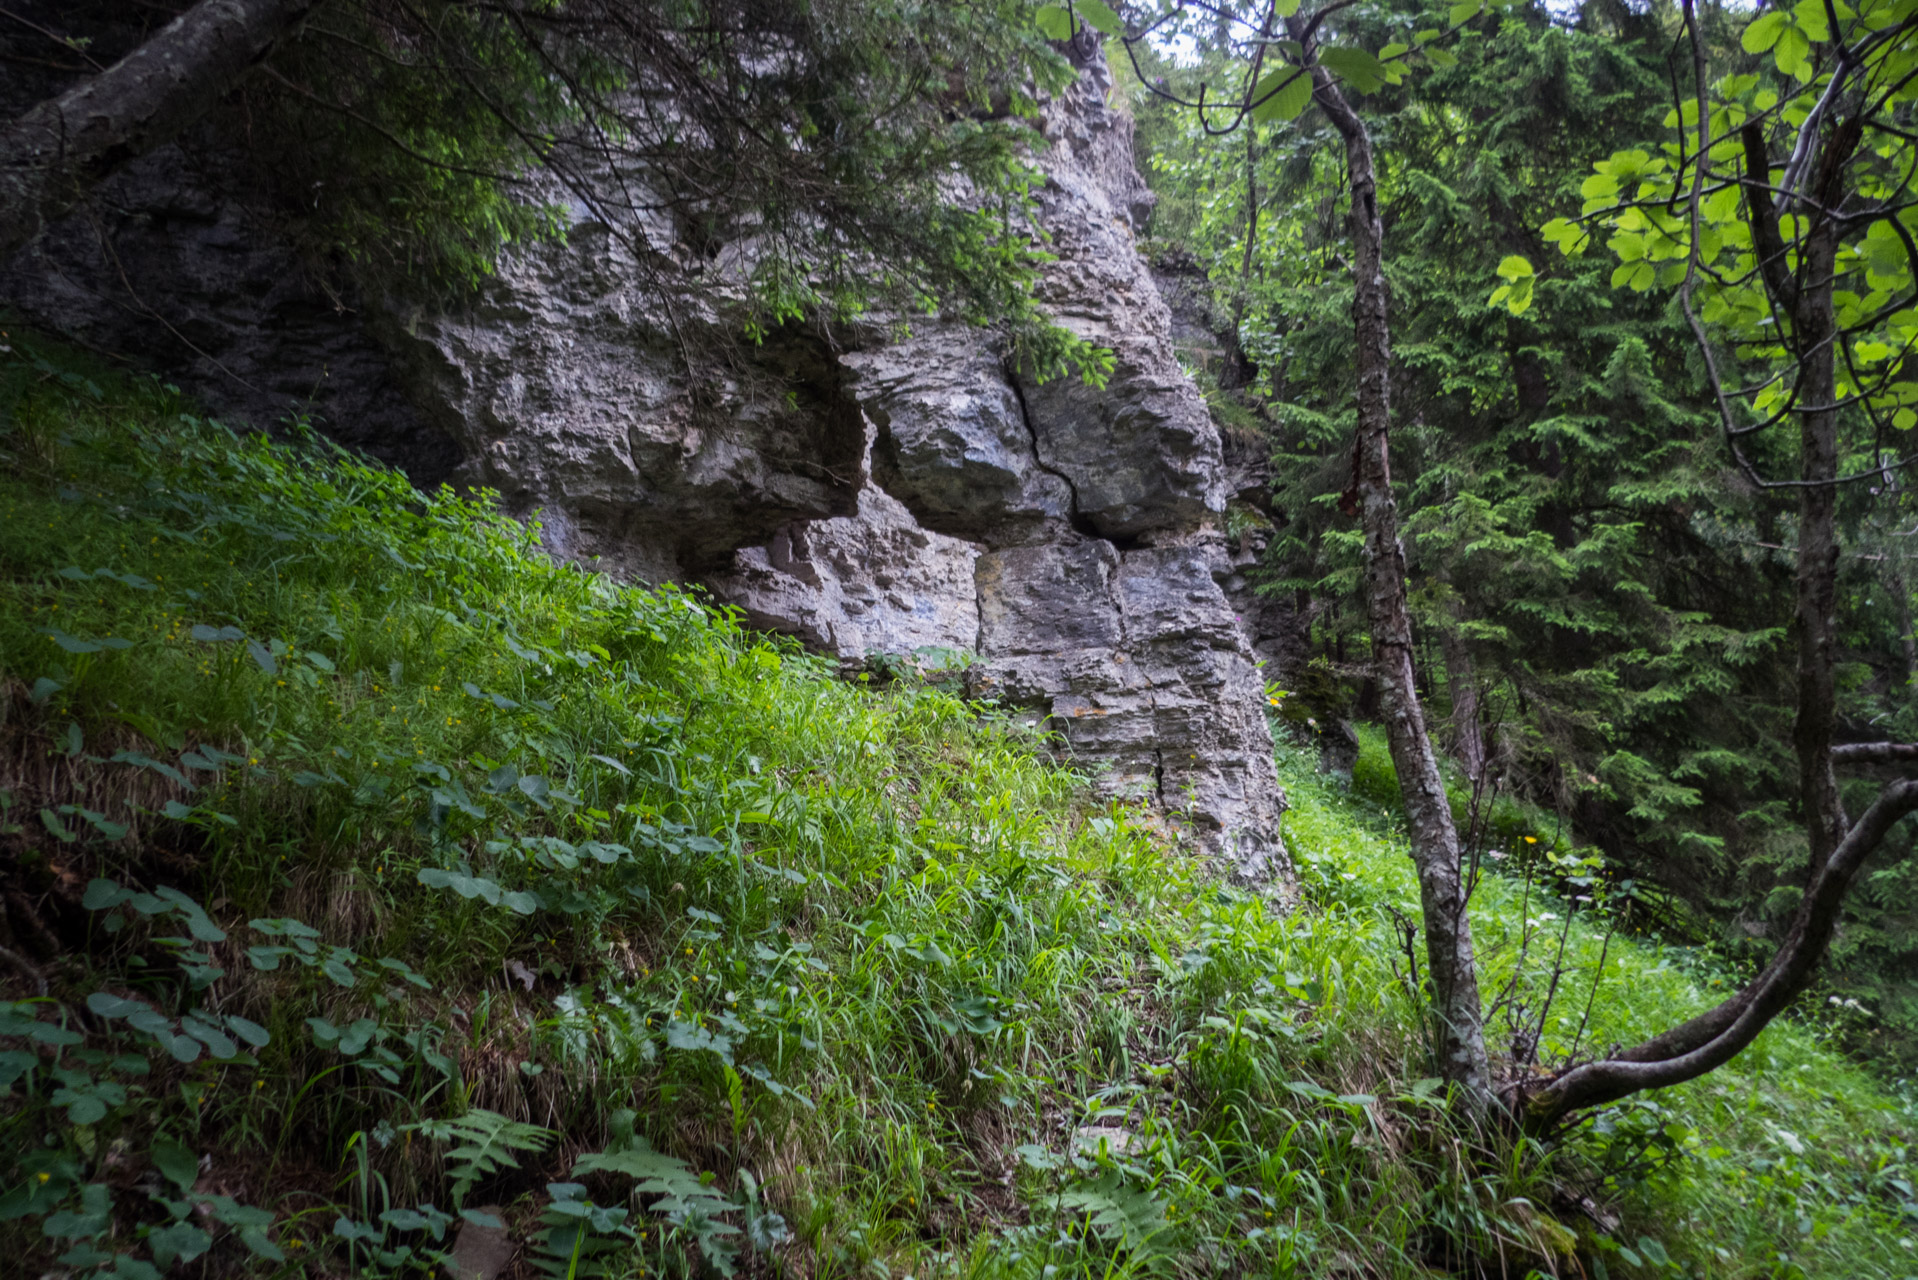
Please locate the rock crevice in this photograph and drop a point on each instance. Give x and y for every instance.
(867, 493)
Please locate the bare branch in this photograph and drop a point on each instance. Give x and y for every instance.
(1874, 752)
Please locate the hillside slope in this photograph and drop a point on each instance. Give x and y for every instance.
(372, 881)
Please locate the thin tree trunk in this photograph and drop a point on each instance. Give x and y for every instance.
(1817, 575)
(1452, 968)
(1461, 678)
(1678, 1056)
(1838, 848)
(1235, 359)
(54, 154)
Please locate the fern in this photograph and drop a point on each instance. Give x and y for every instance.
(685, 1200)
(486, 1143)
(1129, 1216)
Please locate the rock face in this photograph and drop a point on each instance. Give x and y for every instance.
(872, 582)
(168, 268)
(864, 494)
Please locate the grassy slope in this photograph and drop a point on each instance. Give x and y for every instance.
(437, 868)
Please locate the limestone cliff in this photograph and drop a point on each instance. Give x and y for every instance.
(862, 491)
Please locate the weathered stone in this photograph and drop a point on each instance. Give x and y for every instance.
(1141, 452)
(481, 1252)
(954, 444)
(1119, 651)
(864, 495)
(170, 267)
(563, 382)
(872, 582)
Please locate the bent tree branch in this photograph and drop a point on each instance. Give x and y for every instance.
(55, 153)
(1838, 849)
(1709, 1041)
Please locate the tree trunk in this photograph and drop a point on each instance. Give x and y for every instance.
(1461, 678)
(1838, 848)
(1452, 968)
(54, 154)
(1817, 575)
(1710, 1041)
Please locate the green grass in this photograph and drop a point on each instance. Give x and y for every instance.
(1789, 1157)
(379, 868)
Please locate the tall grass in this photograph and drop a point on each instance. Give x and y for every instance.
(388, 880)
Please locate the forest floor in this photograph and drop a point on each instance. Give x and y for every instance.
(372, 882)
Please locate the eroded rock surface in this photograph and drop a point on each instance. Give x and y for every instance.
(872, 582)
(865, 495)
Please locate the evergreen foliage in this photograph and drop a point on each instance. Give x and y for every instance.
(1619, 599)
(815, 161)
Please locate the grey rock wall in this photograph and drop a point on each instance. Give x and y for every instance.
(863, 493)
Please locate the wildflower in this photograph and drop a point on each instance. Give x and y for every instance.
(1531, 839)
(45, 1176)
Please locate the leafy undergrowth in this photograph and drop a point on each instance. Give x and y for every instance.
(370, 879)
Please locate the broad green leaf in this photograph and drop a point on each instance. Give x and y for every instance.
(1282, 94)
(197, 922)
(251, 1032)
(1792, 53)
(1811, 19)
(1054, 21)
(93, 1217)
(78, 644)
(15, 1063)
(1096, 15)
(180, 1242)
(336, 967)
(1515, 297)
(217, 1042)
(1600, 186)
(1354, 66)
(1763, 33)
(178, 1163)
